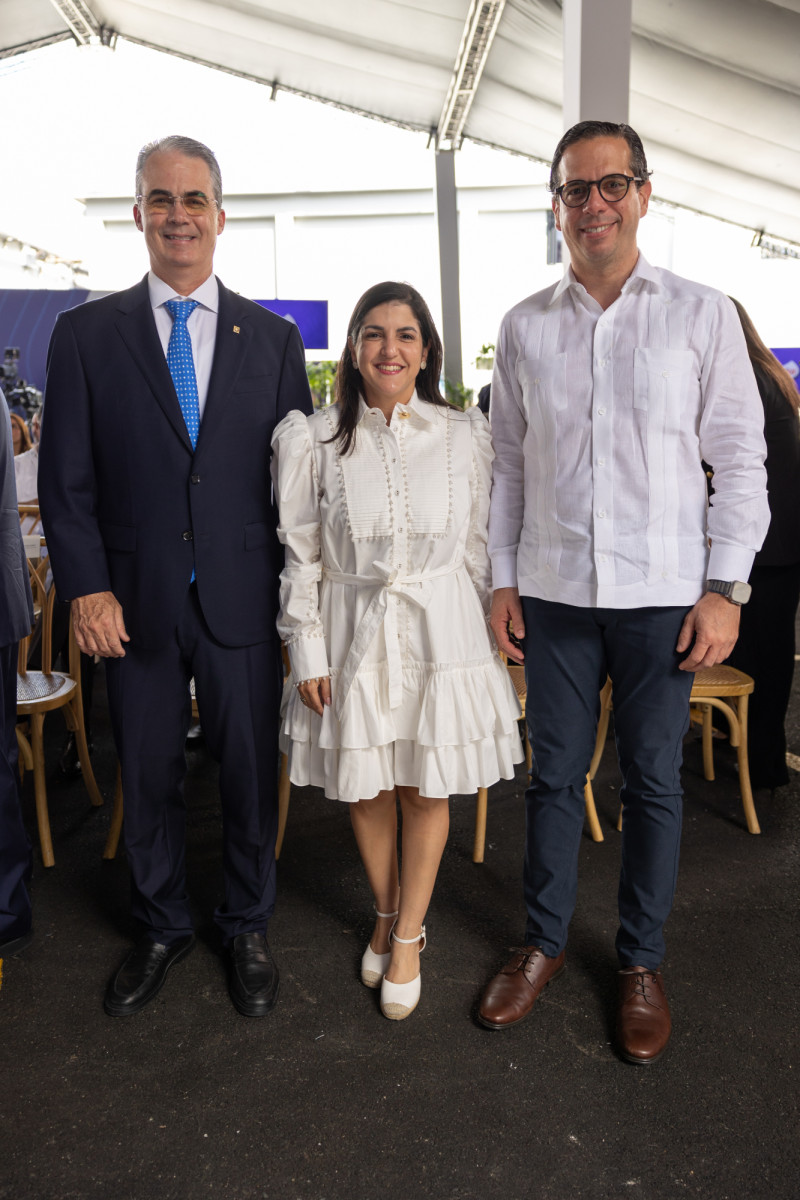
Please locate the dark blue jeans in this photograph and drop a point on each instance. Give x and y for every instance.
(569, 652)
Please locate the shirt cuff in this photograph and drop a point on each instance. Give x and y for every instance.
(729, 562)
(504, 570)
(308, 658)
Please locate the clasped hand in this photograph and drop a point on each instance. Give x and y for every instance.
(315, 693)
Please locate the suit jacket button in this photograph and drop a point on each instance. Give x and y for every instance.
(187, 535)
(195, 479)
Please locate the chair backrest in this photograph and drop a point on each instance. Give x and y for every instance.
(41, 634)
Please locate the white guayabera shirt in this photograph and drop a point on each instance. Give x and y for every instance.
(601, 422)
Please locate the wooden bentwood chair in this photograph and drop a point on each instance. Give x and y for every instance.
(725, 689)
(517, 674)
(39, 692)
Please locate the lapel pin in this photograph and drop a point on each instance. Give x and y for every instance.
(236, 329)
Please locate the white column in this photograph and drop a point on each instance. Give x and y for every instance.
(447, 223)
(597, 60)
(284, 255)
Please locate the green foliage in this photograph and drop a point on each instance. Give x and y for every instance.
(487, 350)
(457, 394)
(321, 376)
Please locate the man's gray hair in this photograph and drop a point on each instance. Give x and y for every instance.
(190, 149)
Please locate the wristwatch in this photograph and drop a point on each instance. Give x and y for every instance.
(737, 592)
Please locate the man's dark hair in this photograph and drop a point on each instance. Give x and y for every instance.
(585, 131)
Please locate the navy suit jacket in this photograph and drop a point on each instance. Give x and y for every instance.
(16, 607)
(127, 505)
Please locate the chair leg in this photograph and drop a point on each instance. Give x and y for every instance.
(708, 744)
(284, 790)
(479, 844)
(40, 789)
(25, 753)
(602, 728)
(591, 811)
(83, 755)
(744, 769)
(112, 841)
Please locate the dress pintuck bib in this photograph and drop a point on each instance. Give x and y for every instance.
(386, 588)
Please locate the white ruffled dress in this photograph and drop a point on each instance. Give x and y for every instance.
(386, 588)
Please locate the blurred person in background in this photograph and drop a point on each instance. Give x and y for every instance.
(766, 645)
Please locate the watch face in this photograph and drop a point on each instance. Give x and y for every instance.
(740, 592)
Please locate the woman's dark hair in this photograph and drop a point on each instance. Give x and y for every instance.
(762, 357)
(348, 380)
(26, 443)
(585, 131)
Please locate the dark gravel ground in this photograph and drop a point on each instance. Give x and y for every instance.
(326, 1100)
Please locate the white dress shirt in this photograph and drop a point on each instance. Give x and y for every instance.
(601, 421)
(202, 325)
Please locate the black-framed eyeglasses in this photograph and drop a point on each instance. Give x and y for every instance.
(162, 202)
(613, 188)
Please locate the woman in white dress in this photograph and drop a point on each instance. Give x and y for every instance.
(396, 689)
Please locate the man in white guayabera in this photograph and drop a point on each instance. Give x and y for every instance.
(610, 391)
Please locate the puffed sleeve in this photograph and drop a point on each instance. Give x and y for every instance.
(476, 555)
(294, 478)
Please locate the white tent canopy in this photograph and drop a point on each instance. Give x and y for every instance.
(714, 83)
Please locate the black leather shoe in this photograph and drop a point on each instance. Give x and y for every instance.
(142, 975)
(253, 980)
(16, 945)
(69, 763)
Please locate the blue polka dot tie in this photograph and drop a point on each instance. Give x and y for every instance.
(181, 364)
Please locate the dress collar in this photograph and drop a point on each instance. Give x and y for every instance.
(420, 408)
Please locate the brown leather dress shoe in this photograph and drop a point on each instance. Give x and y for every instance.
(643, 1020)
(510, 995)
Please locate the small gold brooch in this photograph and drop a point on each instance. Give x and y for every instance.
(236, 329)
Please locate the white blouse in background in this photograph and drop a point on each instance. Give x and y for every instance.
(386, 587)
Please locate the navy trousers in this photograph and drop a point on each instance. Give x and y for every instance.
(569, 651)
(238, 691)
(15, 848)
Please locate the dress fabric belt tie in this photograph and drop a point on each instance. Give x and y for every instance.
(382, 610)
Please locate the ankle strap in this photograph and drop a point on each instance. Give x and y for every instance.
(380, 914)
(409, 941)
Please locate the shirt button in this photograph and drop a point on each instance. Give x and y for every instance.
(602, 512)
(601, 558)
(601, 462)
(195, 479)
(187, 535)
(399, 528)
(397, 492)
(601, 412)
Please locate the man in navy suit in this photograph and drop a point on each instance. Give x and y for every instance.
(16, 618)
(169, 553)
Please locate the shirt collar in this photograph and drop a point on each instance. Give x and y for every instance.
(641, 273)
(207, 294)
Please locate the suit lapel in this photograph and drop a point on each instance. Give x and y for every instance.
(138, 331)
(234, 333)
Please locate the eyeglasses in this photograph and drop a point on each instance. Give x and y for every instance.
(613, 188)
(162, 202)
